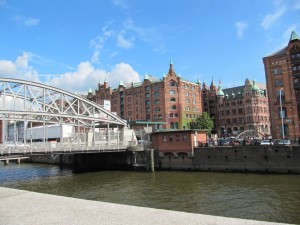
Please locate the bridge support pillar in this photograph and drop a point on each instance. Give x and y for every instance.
(6, 162)
(18, 160)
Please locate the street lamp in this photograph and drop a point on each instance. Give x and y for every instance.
(281, 115)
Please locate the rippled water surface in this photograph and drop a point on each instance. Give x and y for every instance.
(261, 197)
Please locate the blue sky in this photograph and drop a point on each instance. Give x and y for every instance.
(74, 44)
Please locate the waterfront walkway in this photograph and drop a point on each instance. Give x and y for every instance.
(20, 207)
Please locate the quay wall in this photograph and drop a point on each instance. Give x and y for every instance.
(258, 159)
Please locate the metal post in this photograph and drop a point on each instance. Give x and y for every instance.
(281, 115)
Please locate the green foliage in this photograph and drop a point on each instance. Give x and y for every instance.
(203, 122)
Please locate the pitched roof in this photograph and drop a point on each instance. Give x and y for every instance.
(294, 36)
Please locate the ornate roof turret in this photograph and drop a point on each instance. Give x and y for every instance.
(105, 81)
(171, 69)
(220, 92)
(90, 90)
(146, 77)
(294, 36)
(254, 86)
(204, 86)
(213, 86)
(121, 83)
(198, 81)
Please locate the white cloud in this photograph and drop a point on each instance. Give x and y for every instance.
(240, 28)
(86, 76)
(123, 42)
(99, 41)
(30, 22)
(19, 69)
(149, 35)
(271, 18)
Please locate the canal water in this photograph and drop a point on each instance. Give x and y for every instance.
(274, 198)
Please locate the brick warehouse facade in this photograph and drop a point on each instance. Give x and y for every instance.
(282, 70)
(237, 109)
(171, 99)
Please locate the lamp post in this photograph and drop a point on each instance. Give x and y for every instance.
(281, 115)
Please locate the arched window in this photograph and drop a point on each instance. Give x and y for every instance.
(173, 107)
(172, 83)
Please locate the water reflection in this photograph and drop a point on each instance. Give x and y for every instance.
(250, 196)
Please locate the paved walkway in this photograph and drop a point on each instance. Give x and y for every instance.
(19, 207)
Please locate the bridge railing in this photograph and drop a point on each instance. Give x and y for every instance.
(68, 147)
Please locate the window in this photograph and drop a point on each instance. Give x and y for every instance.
(172, 83)
(147, 102)
(194, 101)
(277, 70)
(173, 100)
(296, 67)
(156, 94)
(164, 138)
(187, 108)
(147, 95)
(285, 129)
(173, 107)
(187, 100)
(176, 115)
(177, 138)
(174, 125)
(194, 95)
(184, 137)
(156, 102)
(172, 92)
(193, 88)
(148, 110)
(295, 55)
(171, 115)
(156, 109)
(240, 111)
(156, 87)
(147, 88)
(170, 138)
(187, 93)
(278, 96)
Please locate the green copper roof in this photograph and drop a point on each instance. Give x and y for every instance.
(105, 81)
(220, 92)
(294, 36)
(254, 86)
(121, 83)
(198, 81)
(90, 90)
(146, 77)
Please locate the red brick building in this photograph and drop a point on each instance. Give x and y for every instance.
(282, 70)
(178, 141)
(237, 109)
(171, 99)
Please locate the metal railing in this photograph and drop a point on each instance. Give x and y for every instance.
(62, 147)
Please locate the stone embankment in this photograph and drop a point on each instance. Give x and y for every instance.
(27, 208)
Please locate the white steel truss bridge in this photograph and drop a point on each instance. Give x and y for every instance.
(38, 118)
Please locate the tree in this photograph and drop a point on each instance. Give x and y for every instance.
(203, 122)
